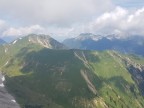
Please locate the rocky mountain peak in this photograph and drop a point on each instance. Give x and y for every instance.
(43, 40)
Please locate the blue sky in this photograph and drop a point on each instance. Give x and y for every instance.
(129, 3)
(68, 18)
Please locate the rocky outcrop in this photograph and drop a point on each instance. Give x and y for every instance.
(136, 70)
(89, 83)
(46, 41)
(6, 99)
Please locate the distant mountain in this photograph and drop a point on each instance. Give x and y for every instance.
(2, 41)
(130, 44)
(9, 39)
(42, 40)
(39, 74)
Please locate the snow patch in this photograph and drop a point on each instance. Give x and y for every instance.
(6, 49)
(6, 63)
(13, 100)
(14, 42)
(3, 79)
(29, 40)
(96, 38)
(1, 85)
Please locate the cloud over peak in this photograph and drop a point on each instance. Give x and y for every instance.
(120, 20)
(66, 18)
(23, 30)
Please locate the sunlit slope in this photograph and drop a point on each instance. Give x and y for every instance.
(28, 43)
(50, 78)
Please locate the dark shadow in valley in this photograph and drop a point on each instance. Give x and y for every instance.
(50, 75)
(122, 85)
(54, 77)
(138, 76)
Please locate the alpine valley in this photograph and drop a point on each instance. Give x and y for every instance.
(41, 72)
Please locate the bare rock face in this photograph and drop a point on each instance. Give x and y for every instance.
(137, 72)
(6, 99)
(46, 41)
(135, 69)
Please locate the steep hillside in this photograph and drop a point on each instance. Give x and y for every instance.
(129, 44)
(33, 41)
(6, 99)
(42, 40)
(46, 41)
(39, 77)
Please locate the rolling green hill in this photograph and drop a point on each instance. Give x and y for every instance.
(42, 77)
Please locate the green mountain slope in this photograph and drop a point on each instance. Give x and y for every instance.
(47, 78)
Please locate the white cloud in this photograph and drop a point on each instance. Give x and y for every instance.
(66, 18)
(120, 20)
(60, 12)
(56, 32)
(109, 21)
(3, 25)
(23, 30)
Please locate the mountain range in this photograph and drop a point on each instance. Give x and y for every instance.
(41, 72)
(125, 44)
(2, 42)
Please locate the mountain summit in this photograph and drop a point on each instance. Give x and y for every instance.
(42, 40)
(46, 41)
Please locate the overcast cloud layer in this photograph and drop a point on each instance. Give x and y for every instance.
(66, 18)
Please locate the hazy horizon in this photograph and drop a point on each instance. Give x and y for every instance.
(64, 19)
